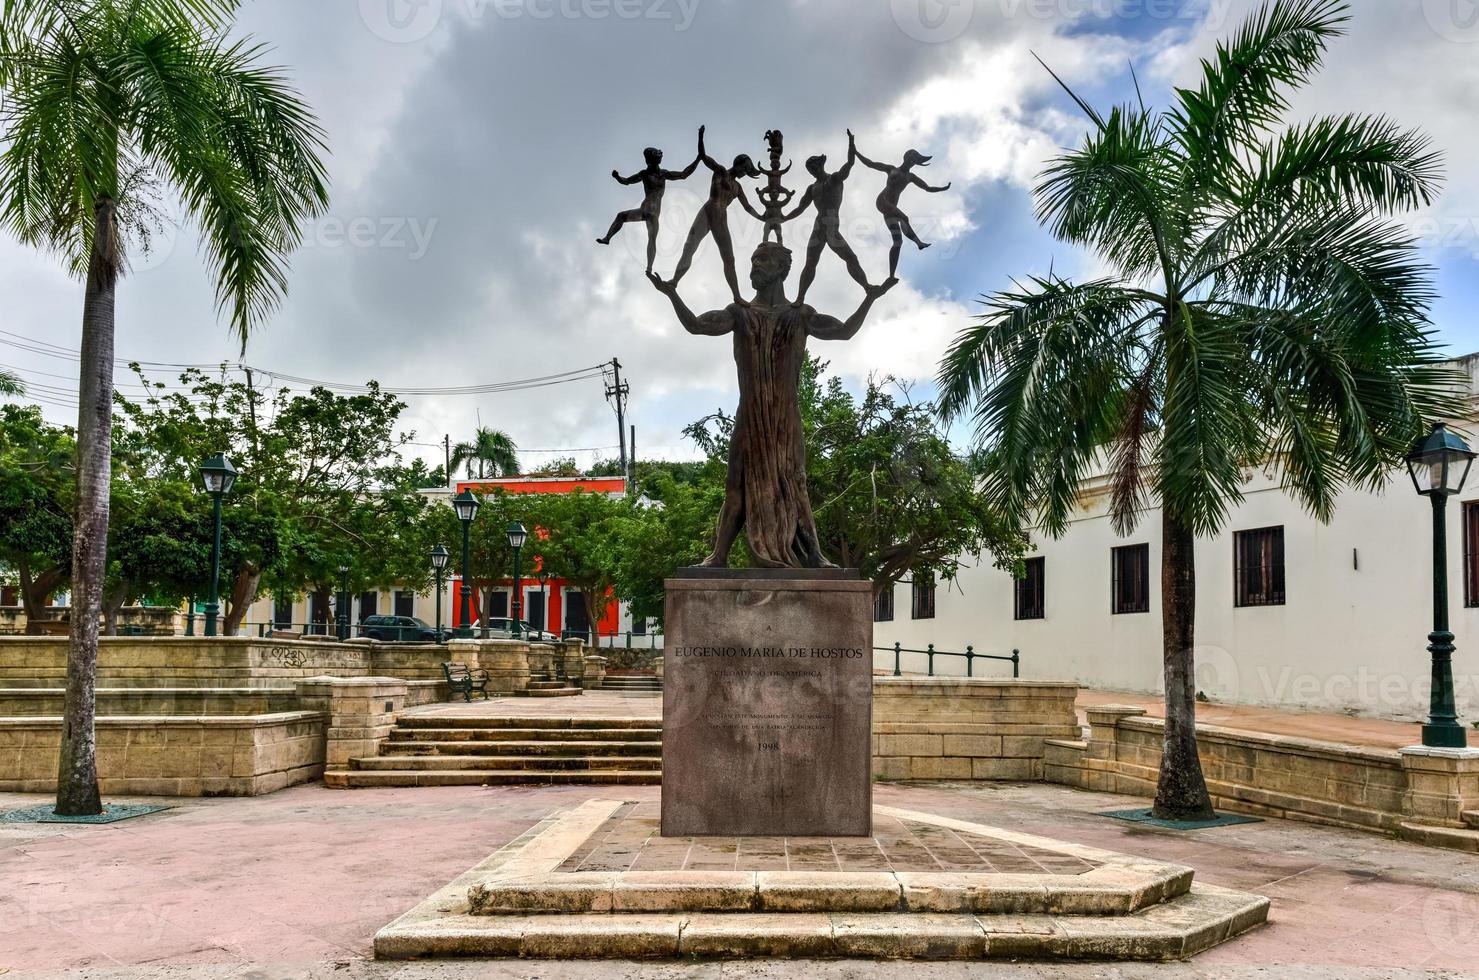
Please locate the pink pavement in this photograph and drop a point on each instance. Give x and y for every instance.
(307, 876)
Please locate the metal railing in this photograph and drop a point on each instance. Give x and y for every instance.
(970, 655)
(615, 638)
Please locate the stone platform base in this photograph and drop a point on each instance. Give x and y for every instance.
(596, 881)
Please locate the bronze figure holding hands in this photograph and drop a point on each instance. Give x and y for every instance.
(899, 178)
(654, 181)
(713, 217)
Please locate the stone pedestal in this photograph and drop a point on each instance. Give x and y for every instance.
(767, 703)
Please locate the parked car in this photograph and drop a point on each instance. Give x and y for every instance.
(503, 628)
(407, 629)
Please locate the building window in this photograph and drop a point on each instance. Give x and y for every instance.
(1029, 592)
(1471, 553)
(639, 626)
(369, 604)
(1258, 567)
(1130, 571)
(923, 605)
(883, 605)
(282, 613)
(405, 603)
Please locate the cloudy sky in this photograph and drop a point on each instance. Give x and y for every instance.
(473, 142)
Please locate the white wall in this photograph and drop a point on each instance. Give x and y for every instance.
(1347, 639)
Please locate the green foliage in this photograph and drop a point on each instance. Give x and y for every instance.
(321, 486)
(125, 100)
(669, 526)
(890, 496)
(36, 485)
(1263, 307)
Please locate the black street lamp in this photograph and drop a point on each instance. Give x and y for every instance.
(439, 556)
(1438, 464)
(516, 537)
(219, 476)
(466, 506)
(543, 576)
(344, 608)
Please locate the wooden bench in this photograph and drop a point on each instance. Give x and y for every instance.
(464, 680)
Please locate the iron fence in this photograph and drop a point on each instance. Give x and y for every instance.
(930, 653)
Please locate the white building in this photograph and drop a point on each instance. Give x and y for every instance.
(1290, 612)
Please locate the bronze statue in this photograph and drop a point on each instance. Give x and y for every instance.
(766, 489)
(713, 217)
(773, 196)
(826, 194)
(654, 181)
(899, 178)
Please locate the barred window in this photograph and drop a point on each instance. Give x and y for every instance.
(923, 606)
(282, 613)
(1471, 553)
(1258, 567)
(883, 605)
(1130, 574)
(1029, 591)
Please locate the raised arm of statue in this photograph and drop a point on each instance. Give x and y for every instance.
(852, 154)
(685, 173)
(915, 179)
(862, 159)
(703, 154)
(626, 180)
(715, 323)
(824, 327)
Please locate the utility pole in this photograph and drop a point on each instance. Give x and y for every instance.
(619, 390)
(633, 473)
(447, 448)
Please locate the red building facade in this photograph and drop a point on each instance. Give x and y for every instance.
(555, 606)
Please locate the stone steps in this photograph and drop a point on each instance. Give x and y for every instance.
(357, 779)
(1471, 817)
(559, 763)
(444, 750)
(428, 720)
(479, 747)
(557, 692)
(526, 734)
(529, 899)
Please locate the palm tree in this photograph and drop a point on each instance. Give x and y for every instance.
(492, 450)
(1261, 309)
(107, 102)
(11, 386)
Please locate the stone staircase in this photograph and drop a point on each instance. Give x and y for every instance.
(437, 750)
(544, 684)
(632, 683)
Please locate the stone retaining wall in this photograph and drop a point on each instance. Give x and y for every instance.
(244, 755)
(1276, 775)
(959, 728)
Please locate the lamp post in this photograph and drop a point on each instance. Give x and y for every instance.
(439, 556)
(344, 610)
(219, 476)
(543, 576)
(466, 506)
(516, 536)
(1438, 464)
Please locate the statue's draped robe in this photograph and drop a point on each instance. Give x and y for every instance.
(767, 455)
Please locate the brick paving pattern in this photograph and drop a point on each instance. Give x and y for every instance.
(629, 841)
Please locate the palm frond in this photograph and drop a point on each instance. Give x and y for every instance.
(11, 386)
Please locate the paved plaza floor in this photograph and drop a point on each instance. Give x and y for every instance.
(296, 884)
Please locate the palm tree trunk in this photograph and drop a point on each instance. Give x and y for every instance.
(77, 771)
(1181, 792)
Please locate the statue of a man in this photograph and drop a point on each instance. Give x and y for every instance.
(766, 490)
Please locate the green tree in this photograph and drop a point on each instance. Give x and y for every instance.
(891, 497)
(670, 524)
(491, 452)
(105, 102)
(1262, 309)
(36, 474)
(11, 386)
(576, 540)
